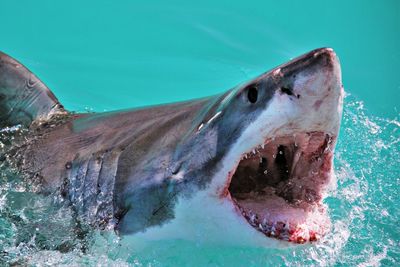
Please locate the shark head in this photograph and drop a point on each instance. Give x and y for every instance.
(282, 161)
(257, 162)
(264, 150)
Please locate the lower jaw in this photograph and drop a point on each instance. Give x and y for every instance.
(292, 225)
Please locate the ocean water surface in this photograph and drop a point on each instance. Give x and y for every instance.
(104, 55)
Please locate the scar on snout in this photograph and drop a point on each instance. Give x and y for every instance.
(277, 71)
(317, 104)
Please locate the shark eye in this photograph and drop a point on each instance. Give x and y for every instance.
(252, 94)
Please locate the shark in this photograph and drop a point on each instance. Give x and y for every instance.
(251, 165)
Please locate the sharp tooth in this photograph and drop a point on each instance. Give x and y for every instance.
(327, 149)
(264, 221)
(266, 172)
(274, 156)
(273, 230)
(260, 159)
(262, 146)
(253, 218)
(260, 226)
(245, 156)
(254, 151)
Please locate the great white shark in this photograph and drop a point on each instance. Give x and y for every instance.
(250, 166)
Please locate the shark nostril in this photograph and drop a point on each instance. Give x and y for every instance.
(286, 90)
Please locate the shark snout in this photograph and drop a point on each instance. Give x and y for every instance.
(319, 74)
(317, 88)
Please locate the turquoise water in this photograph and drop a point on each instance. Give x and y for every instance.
(104, 55)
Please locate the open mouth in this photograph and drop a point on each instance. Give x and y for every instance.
(278, 187)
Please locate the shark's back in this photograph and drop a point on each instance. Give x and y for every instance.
(93, 158)
(132, 134)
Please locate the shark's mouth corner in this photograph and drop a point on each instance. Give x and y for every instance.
(278, 187)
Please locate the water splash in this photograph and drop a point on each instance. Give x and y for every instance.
(364, 208)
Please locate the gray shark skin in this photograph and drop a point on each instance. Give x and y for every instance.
(142, 171)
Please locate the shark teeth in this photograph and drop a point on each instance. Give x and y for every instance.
(253, 152)
(281, 230)
(274, 229)
(303, 158)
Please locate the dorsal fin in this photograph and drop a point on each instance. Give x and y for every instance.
(23, 97)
